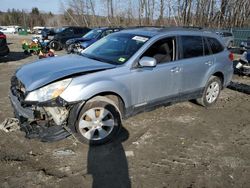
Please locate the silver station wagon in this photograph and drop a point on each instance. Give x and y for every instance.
(123, 74)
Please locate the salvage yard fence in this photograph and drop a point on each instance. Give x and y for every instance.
(240, 34)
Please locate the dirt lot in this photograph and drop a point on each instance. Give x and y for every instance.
(183, 145)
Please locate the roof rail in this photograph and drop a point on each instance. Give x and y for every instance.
(144, 26)
(192, 27)
(166, 27)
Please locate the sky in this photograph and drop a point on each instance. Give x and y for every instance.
(44, 5)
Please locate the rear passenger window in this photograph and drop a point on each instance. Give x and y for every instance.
(192, 46)
(215, 45)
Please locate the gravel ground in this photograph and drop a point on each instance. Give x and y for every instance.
(183, 145)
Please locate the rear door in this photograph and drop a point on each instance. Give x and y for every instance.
(196, 62)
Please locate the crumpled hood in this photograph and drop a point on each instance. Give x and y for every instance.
(42, 72)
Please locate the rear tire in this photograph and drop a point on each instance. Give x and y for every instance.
(211, 92)
(99, 122)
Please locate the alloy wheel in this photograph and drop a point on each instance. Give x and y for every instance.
(96, 123)
(212, 92)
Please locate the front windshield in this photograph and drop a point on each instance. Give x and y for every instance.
(93, 34)
(116, 48)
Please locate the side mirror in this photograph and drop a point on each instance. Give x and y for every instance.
(147, 61)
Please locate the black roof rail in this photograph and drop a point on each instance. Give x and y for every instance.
(167, 27)
(192, 27)
(143, 26)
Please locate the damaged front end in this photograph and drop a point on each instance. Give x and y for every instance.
(43, 120)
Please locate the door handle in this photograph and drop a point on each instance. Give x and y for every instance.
(175, 69)
(209, 63)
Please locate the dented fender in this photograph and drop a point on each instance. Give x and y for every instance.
(84, 92)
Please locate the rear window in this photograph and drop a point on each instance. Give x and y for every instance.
(215, 45)
(192, 46)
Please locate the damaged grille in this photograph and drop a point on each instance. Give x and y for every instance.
(17, 89)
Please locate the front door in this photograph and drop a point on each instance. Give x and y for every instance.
(155, 84)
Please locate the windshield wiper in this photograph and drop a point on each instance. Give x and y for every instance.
(91, 57)
(98, 59)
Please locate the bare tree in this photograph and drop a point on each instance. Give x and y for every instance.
(92, 13)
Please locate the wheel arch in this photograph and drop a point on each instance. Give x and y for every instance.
(115, 97)
(220, 75)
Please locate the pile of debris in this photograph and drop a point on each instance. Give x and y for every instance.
(10, 125)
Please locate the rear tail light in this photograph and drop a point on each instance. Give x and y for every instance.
(2, 36)
(231, 56)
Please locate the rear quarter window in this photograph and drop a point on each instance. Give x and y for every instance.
(192, 46)
(215, 45)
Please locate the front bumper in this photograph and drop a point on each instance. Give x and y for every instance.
(19, 110)
(32, 124)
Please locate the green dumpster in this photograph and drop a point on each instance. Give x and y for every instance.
(23, 32)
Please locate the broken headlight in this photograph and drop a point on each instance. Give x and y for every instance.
(48, 92)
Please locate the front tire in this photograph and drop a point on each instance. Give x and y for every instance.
(211, 92)
(70, 48)
(55, 45)
(99, 122)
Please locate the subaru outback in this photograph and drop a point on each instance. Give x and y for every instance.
(123, 74)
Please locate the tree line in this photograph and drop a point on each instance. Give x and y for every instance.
(93, 13)
(24, 19)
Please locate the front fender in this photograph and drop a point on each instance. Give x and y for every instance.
(85, 92)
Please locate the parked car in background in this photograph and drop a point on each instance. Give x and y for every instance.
(89, 38)
(8, 30)
(47, 33)
(37, 29)
(227, 37)
(4, 49)
(125, 73)
(245, 45)
(65, 33)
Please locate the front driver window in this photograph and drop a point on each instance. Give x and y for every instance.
(163, 50)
